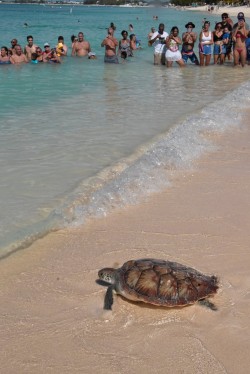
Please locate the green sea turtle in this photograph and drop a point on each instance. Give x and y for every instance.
(158, 282)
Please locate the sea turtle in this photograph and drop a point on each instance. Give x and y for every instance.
(158, 282)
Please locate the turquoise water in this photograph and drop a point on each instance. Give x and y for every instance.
(81, 138)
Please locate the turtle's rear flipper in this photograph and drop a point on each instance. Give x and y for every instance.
(108, 301)
(207, 303)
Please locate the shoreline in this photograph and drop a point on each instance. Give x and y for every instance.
(51, 312)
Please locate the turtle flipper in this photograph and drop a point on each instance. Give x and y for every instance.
(208, 304)
(108, 301)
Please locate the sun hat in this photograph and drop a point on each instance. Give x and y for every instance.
(190, 24)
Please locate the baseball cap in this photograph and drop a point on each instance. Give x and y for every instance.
(240, 15)
(46, 45)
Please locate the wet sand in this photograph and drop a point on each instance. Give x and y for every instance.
(52, 319)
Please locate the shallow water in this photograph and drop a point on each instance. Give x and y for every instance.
(81, 138)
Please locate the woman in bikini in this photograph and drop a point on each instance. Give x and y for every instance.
(205, 46)
(239, 38)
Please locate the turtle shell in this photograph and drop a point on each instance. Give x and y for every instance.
(163, 283)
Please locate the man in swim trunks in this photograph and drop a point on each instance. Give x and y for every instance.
(110, 43)
(80, 47)
(18, 57)
(30, 47)
(189, 38)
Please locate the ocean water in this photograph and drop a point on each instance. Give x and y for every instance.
(82, 138)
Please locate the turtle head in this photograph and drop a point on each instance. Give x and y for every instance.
(107, 275)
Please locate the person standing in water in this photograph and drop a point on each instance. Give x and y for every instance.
(158, 40)
(110, 43)
(205, 46)
(80, 47)
(189, 38)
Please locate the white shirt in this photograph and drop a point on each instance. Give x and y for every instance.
(159, 44)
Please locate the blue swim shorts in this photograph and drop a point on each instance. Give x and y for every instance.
(206, 49)
(217, 49)
(111, 59)
(192, 56)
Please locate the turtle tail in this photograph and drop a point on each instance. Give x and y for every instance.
(207, 303)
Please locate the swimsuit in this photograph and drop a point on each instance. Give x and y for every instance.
(239, 35)
(125, 47)
(111, 59)
(242, 37)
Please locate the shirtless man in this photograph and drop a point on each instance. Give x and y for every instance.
(150, 34)
(81, 47)
(18, 57)
(110, 43)
(30, 47)
(12, 48)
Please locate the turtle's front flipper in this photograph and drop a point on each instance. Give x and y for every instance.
(208, 304)
(108, 301)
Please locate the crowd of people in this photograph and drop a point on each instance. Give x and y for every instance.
(227, 41)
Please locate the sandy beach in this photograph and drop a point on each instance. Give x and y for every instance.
(232, 11)
(52, 319)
